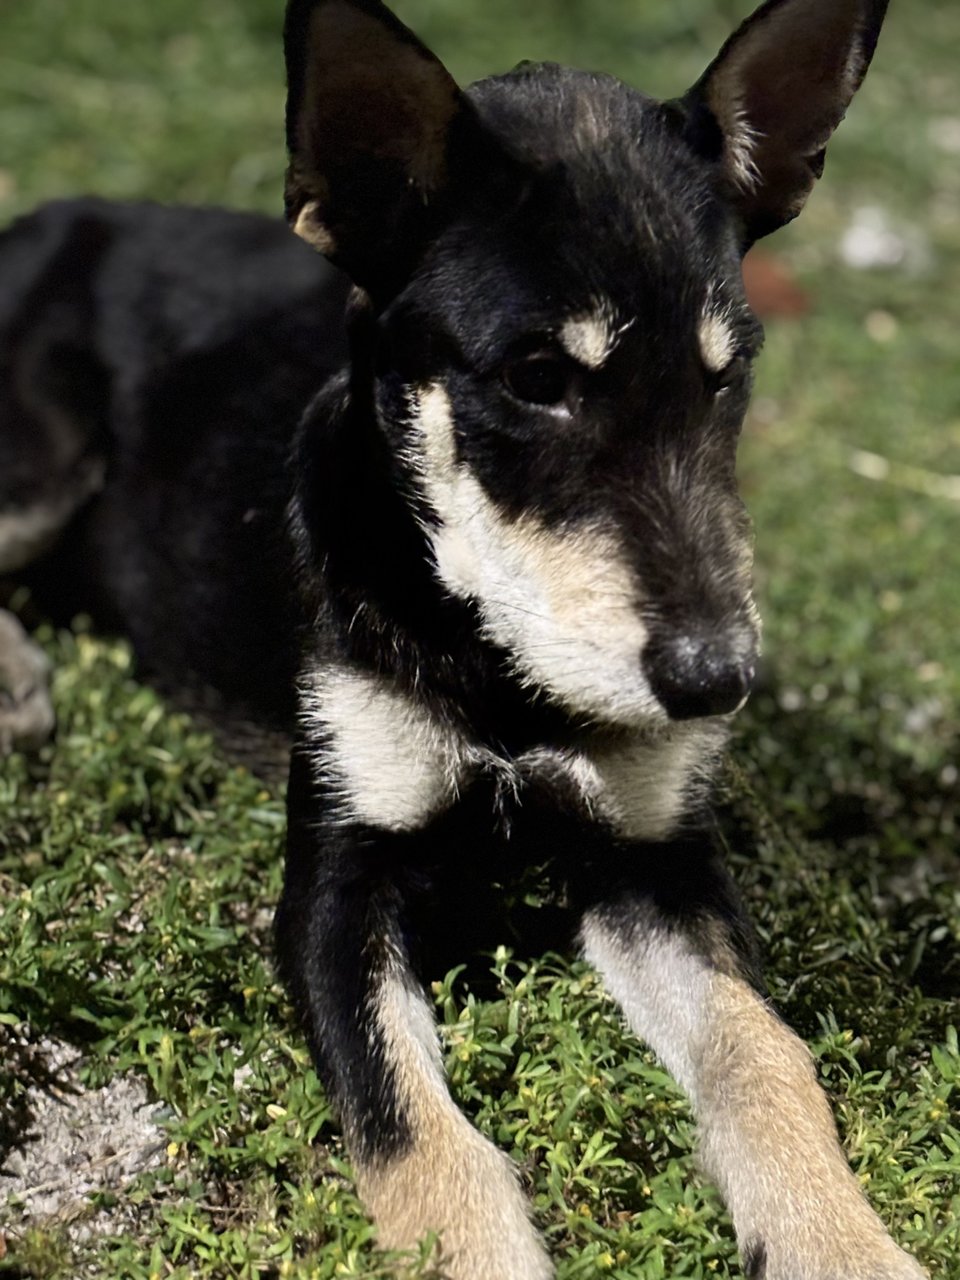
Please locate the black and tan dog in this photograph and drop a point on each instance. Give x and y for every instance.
(505, 592)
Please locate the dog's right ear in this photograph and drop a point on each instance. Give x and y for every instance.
(370, 112)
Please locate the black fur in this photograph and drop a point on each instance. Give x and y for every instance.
(755, 1261)
(179, 347)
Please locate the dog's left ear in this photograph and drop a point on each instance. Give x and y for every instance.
(770, 101)
(370, 112)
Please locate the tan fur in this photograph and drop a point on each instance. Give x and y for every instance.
(309, 227)
(392, 763)
(452, 1181)
(769, 1140)
(563, 602)
(725, 97)
(388, 760)
(717, 341)
(647, 783)
(591, 338)
(740, 138)
(580, 572)
(767, 1133)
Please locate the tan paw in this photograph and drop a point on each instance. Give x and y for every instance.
(881, 1259)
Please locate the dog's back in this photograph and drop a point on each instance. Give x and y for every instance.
(160, 359)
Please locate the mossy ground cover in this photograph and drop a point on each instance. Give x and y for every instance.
(138, 866)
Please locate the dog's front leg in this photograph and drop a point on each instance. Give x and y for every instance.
(673, 950)
(344, 936)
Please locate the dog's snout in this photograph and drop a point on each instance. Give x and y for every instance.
(693, 676)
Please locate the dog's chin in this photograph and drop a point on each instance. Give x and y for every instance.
(631, 710)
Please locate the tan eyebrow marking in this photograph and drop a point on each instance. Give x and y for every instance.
(590, 339)
(718, 343)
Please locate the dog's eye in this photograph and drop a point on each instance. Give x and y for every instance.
(543, 377)
(730, 375)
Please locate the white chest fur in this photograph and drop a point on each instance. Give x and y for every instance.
(389, 762)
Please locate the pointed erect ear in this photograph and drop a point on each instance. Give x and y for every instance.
(771, 100)
(370, 112)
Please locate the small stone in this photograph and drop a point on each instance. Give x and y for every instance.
(944, 133)
(882, 327)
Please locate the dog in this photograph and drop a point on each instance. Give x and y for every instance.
(497, 580)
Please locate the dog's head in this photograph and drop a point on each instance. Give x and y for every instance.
(564, 346)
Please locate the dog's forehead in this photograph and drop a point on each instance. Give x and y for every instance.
(553, 113)
(608, 220)
(588, 140)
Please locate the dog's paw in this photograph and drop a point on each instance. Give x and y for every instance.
(464, 1193)
(880, 1260)
(26, 712)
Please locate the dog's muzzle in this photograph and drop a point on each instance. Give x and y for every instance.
(699, 675)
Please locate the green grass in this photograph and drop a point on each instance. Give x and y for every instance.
(136, 864)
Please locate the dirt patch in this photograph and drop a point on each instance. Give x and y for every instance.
(64, 1142)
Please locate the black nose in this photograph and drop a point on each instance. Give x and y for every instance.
(694, 676)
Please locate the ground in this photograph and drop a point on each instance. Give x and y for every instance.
(138, 867)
